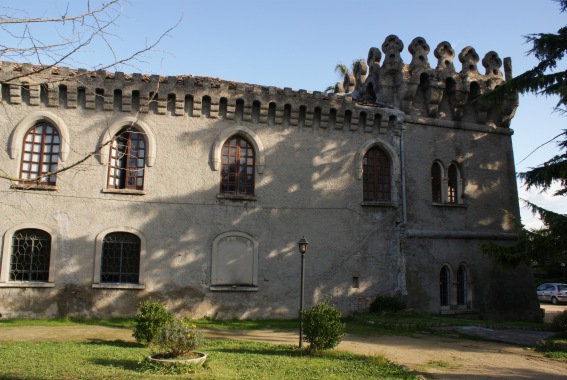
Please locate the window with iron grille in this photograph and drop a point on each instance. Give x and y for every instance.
(31, 252)
(40, 154)
(237, 172)
(376, 176)
(444, 289)
(127, 160)
(452, 192)
(120, 262)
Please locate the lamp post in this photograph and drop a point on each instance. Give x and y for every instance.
(302, 244)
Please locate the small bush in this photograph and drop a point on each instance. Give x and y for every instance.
(178, 337)
(387, 303)
(322, 326)
(149, 319)
(560, 322)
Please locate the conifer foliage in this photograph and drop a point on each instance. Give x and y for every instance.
(548, 244)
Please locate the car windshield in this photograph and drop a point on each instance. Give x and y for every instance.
(561, 287)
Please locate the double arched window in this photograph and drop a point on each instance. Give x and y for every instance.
(446, 188)
(455, 294)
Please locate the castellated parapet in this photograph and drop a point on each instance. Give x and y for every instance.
(370, 99)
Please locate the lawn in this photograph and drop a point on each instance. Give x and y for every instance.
(226, 360)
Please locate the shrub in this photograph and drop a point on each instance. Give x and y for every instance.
(178, 337)
(149, 319)
(387, 303)
(560, 322)
(322, 326)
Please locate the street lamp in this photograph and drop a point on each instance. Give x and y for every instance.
(302, 244)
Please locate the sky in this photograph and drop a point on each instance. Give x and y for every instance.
(297, 44)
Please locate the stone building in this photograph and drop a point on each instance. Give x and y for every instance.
(196, 190)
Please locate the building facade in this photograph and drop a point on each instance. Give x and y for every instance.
(196, 190)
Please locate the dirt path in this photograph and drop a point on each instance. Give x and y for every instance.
(443, 358)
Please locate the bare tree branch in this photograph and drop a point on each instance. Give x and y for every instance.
(23, 46)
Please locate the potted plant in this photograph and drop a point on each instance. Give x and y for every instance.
(177, 341)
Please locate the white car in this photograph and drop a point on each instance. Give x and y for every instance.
(552, 292)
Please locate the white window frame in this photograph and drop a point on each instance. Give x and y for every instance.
(5, 281)
(98, 260)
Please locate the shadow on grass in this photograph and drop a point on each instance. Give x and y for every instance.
(115, 343)
(125, 364)
(264, 349)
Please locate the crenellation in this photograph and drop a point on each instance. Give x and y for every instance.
(324, 121)
(279, 116)
(179, 106)
(309, 119)
(492, 63)
(108, 102)
(415, 88)
(72, 95)
(231, 109)
(34, 94)
(90, 99)
(52, 94)
(294, 117)
(15, 94)
(247, 113)
(469, 60)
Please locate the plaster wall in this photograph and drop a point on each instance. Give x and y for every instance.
(308, 182)
(308, 187)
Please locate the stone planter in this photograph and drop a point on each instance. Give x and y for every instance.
(199, 359)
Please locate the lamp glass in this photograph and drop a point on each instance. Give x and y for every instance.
(302, 243)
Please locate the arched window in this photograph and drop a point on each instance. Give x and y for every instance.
(237, 167)
(40, 154)
(445, 286)
(462, 286)
(30, 256)
(436, 182)
(453, 184)
(376, 176)
(120, 260)
(127, 160)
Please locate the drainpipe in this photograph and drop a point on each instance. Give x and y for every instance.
(403, 161)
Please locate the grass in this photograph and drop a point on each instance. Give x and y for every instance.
(407, 320)
(226, 360)
(113, 322)
(353, 326)
(555, 347)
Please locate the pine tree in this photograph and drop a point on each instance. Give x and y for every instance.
(548, 244)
